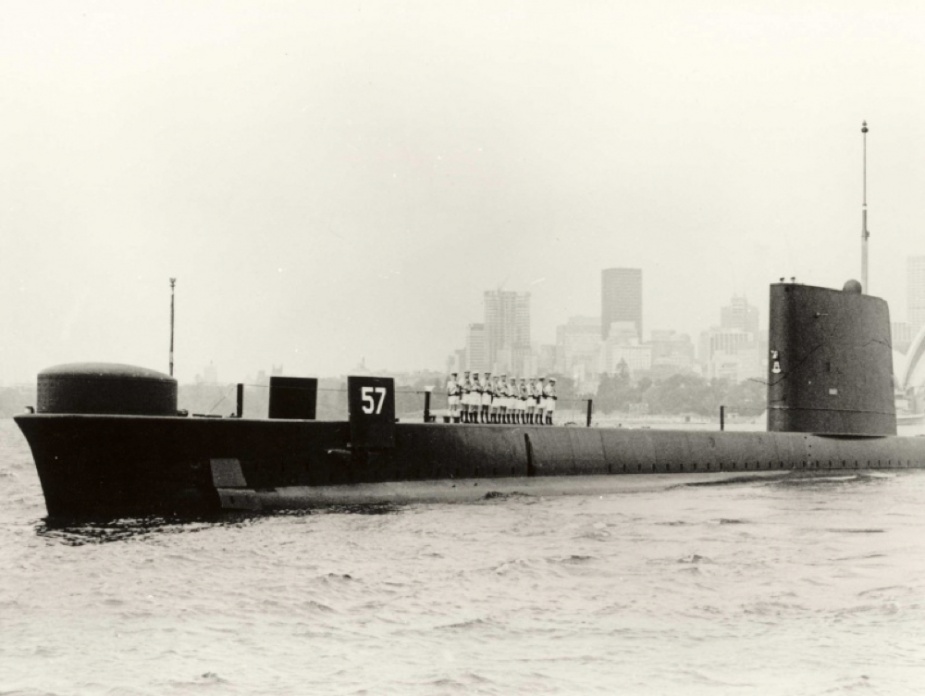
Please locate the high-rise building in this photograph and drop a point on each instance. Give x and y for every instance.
(734, 349)
(621, 298)
(732, 354)
(915, 287)
(507, 330)
(476, 348)
(739, 314)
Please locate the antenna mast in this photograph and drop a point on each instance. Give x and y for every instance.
(864, 233)
(173, 282)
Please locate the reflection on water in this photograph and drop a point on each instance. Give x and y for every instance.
(806, 479)
(80, 532)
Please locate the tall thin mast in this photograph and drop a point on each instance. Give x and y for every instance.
(864, 233)
(173, 281)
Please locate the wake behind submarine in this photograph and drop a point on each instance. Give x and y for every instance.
(108, 441)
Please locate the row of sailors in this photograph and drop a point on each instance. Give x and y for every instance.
(499, 400)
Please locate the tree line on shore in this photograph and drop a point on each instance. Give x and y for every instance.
(679, 394)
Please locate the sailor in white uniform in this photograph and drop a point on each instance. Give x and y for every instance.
(452, 397)
(521, 400)
(486, 398)
(538, 397)
(475, 398)
(510, 400)
(502, 399)
(540, 392)
(530, 402)
(550, 400)
(465, 389)
(495, 411)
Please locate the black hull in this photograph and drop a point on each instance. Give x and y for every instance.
(105, 466)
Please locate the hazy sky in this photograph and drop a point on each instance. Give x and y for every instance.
(330, 181)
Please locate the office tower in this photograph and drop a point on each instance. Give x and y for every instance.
(507, 329)
(733, 350)
(477, 348)
(738, 314)
(621, 298)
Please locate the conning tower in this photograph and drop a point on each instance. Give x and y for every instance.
(830, 369)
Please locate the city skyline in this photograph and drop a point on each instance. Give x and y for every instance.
(738, 328)
(733, 347)
(739, 314)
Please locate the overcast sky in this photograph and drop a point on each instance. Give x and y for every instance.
(337, 180)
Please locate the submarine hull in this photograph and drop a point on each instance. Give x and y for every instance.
(95, 465)
(108, 439)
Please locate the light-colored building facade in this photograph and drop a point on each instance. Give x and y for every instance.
(476, 348)
(637, 356)
(735, 349)
(623, 346)
(739, 314)
(732, 354)
(672, 352)
(507, 331)
(578, 346)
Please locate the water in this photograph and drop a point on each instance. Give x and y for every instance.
(809, 586)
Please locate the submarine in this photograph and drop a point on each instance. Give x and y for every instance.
(108, 440)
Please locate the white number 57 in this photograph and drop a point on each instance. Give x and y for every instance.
(368, 395)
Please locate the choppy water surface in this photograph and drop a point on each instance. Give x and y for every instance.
(804, 586)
